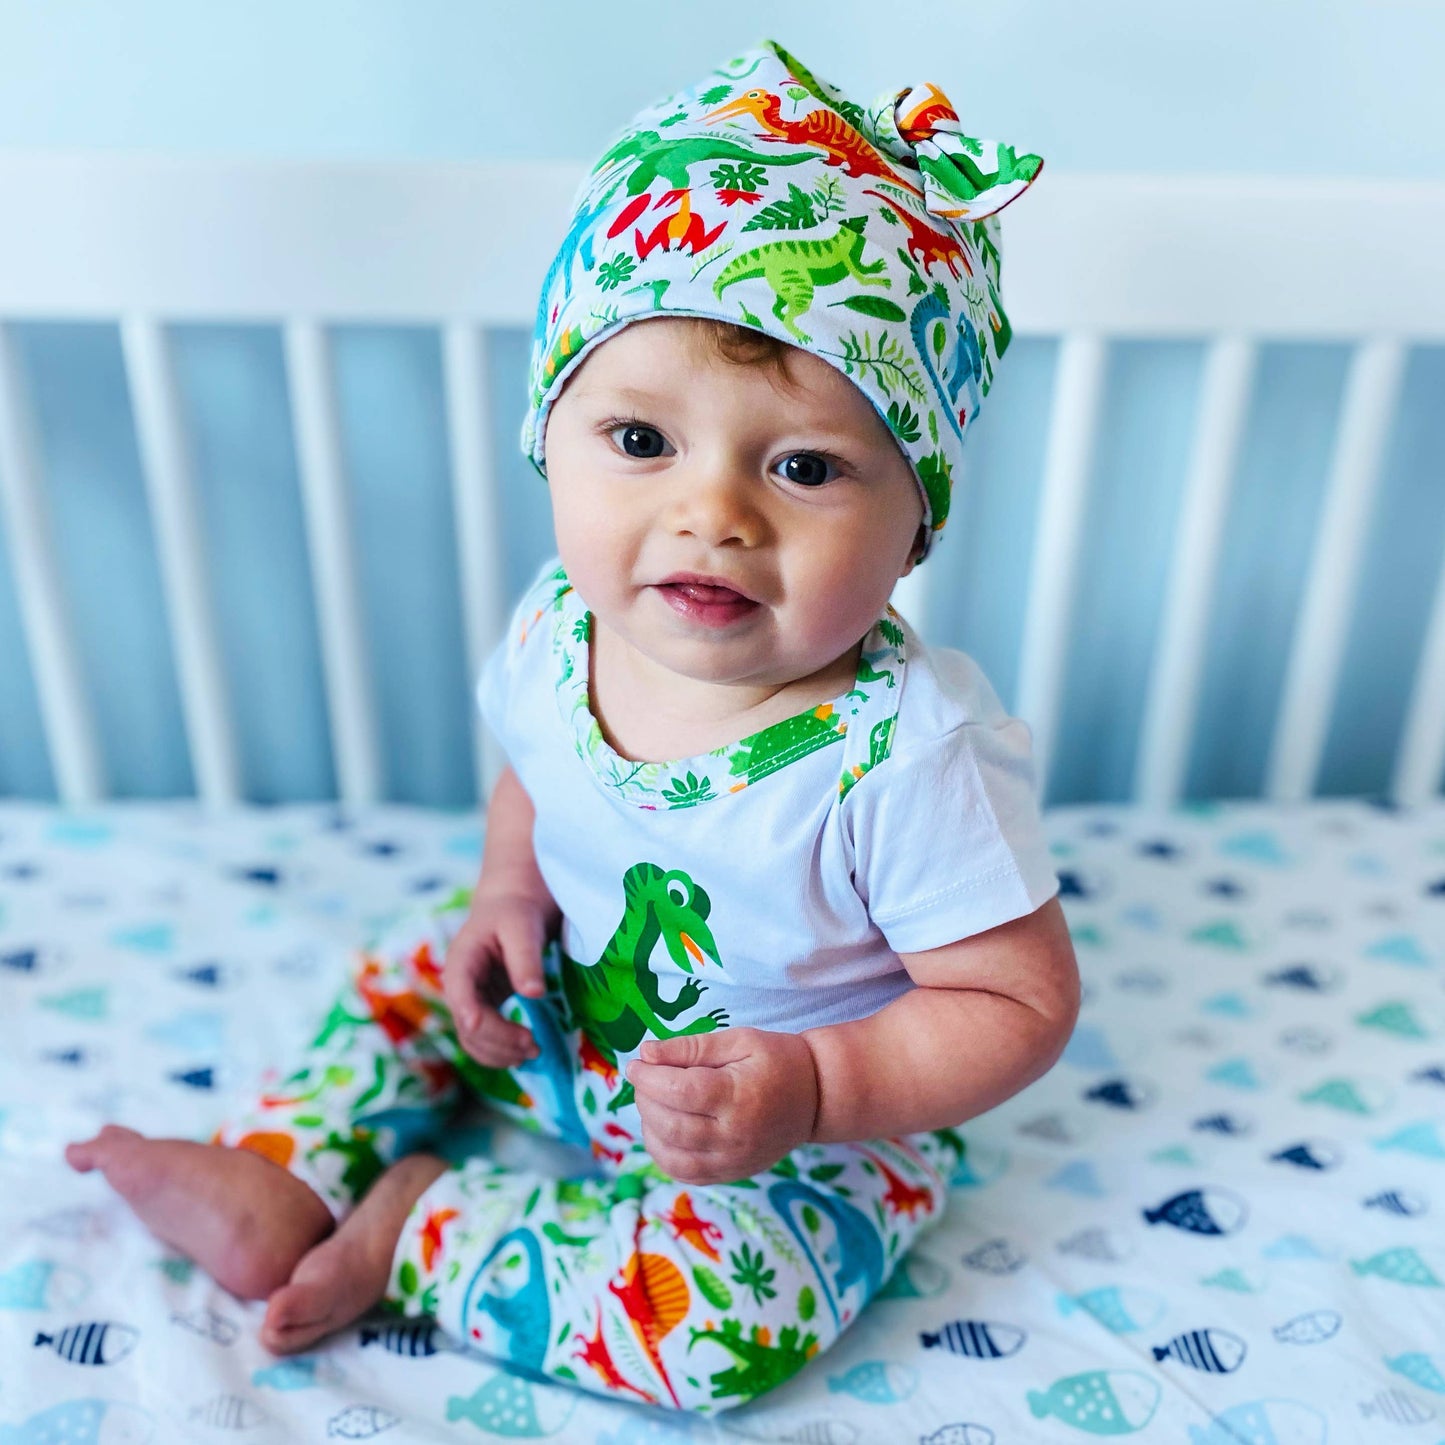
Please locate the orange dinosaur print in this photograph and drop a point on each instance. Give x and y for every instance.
(425, 967)
(431, 1235)
(824, 128)
(278, 1148)
(592, 1059)
(687, 1225)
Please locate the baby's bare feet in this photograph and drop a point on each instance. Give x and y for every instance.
(345, 1275)
(245, 1220)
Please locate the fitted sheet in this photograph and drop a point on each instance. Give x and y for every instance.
(1217, 1219)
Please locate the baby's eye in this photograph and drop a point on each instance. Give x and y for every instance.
(638, 440)
(807, 469)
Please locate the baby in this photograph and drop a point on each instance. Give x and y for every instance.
(765, 909)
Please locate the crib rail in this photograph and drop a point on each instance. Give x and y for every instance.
(145, 242)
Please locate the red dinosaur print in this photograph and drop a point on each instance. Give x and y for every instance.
(926, 245)
(431, 1235)
(594, 1352)
(902, 1198)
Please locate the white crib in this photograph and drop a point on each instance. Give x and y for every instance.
(1234, 262)
(1245, 1135)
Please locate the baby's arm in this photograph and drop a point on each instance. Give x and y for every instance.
(991, 1014)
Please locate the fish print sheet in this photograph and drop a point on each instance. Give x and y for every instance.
(1216, 1220)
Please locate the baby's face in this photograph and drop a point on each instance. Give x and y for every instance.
(663, 461)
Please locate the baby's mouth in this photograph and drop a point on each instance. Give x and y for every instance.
(706, 602)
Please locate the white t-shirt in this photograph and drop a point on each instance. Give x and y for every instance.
(777, 879)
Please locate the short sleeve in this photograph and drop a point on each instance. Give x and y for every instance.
(947, 837)
(496, 691)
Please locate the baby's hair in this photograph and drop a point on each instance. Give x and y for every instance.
(739, 345)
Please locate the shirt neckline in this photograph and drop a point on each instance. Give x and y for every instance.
(720, 772)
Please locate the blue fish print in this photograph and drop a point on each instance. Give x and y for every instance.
(1121, 1093)
(97, 1343)
(1311, 1154)
(411, 1339)
(1309, 1329)
(1230, 1125)
(1211, 1211)
(1216, 1352)
(81, 1422)
(976, 1339)
(1264, 1422)
(879, 1382)
(1304, 976)
(1398, 1201)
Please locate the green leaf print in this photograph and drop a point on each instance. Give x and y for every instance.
(811, 1219)
(877, 306)
(715, 94)
(750, 1272)
(406, 1279)
(684, 792)
(796, 213)
(566, 1330)
(744, 176)
(807, 1303)
(824, 1172)
(786, 1168)
(429, 1299)
(887, 359)
(712, 1289)
(904, 421)
(615, 270)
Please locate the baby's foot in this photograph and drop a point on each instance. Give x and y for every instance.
(243, 1219)
(345, 1275)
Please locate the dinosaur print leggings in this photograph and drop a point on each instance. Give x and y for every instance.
(623, 1281)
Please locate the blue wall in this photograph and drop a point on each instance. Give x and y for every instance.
(1288, 88)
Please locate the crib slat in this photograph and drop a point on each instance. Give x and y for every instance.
(1078, 388)
(171, 491)
(1421, 759)
(1371, 392)
(65, 709)
(332, 548)
(479, 522)
(1171, 708)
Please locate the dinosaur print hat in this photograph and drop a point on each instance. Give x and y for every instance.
(763, 196)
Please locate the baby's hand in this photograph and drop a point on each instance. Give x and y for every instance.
(495, 953)
(722, 1106)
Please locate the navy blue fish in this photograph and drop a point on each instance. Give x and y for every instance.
(22, 961)
(195, 1078)
(976, 1339)
(1216, 1352)
(72, 1058)
(1201, 1211)
(412, 1339)
(1397, 1201)
(96, 1343)
(1311, 1154)
(206, 975)
(1120, 1093)
(1228, 1124)
(1301, 975)
(261, 873)
(1435, 1074)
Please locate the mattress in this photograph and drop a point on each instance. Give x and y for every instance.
(1217, 1219)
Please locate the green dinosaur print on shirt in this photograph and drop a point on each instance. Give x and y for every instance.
(617, 1001)
(760, 1366)
(672, 159)
(785, 742)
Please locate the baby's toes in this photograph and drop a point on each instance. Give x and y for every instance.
(97, 1151)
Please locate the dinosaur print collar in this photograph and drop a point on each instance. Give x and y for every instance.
(687, 782)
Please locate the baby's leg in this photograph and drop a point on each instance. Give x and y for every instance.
(691, 1297)
(377, 1081)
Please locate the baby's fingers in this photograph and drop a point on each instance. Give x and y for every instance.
(520, 938)
(497, 1042)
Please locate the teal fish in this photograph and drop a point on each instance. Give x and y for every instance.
(299, 1372)
(509, 1405)
(1350, 1095)
(1263, 1422)
(1395, 1017)
(879, 1382)
(1120, 1309)
(83, 1422)
(918, 1277)
(1402, 1265)
(39, 1284)
(1101, 1402)
(1420, 1369)
(1421, 1138)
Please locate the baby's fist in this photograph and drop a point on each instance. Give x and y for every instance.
(722, 1106)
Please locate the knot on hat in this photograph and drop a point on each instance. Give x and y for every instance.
(964, 178)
